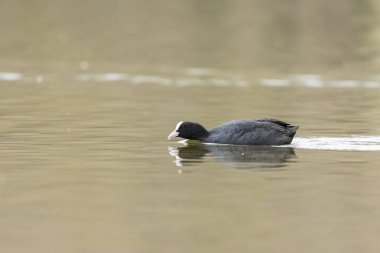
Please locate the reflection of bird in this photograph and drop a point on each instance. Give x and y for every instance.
(236, 156)
(239, 132)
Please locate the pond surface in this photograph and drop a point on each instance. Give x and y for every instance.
(86, 165)
(90, 91)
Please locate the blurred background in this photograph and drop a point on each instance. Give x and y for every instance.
(89, 91)
(252, 37)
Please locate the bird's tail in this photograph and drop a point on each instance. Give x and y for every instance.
(292, 130)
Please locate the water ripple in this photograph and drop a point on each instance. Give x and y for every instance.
(318, 81)
(196, 77)
(349, 143)
(10, 76)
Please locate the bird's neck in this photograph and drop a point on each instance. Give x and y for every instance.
(200, 134)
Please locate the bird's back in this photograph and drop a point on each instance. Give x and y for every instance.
(253, 132)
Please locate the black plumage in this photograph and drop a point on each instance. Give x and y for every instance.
(239, 132)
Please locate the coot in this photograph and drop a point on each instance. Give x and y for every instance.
(239, 132)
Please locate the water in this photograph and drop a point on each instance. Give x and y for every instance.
(86, 165)
(88, 99)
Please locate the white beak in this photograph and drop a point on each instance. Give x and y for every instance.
(173, 135)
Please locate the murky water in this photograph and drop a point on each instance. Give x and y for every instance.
(87, 101)
(86, 165)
